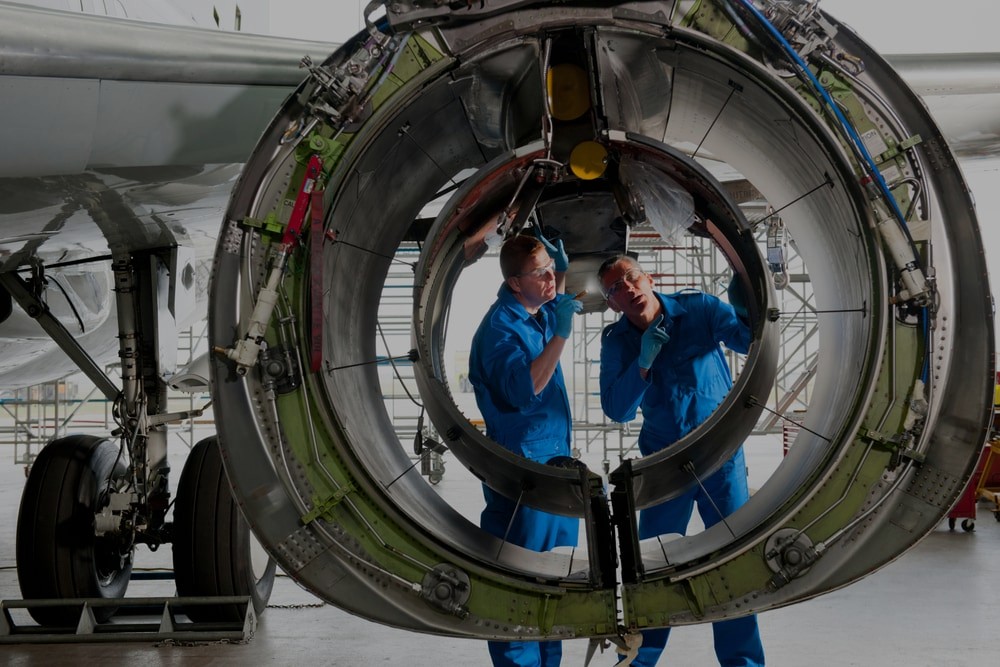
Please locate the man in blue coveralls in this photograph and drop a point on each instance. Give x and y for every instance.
(514, 370)
(663, 355)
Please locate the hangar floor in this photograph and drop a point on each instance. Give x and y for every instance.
(937, 605)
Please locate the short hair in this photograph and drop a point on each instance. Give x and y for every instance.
(514, 254)
(610, 262)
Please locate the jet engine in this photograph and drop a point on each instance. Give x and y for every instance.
(444, 127)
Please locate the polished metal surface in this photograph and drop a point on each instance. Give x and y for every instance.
(83, 46)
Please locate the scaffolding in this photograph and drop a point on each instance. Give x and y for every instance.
(191, 344)
(696, 263)
(396, 375)
(34, 416)
(43, 412)
(692, 262)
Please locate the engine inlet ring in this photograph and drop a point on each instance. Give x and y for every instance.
(902, 397)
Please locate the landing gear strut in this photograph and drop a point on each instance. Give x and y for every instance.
(89, 501)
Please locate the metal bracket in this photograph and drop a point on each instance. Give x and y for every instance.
(321, 507)
(21, 292)
(789, 553)
(447, 588)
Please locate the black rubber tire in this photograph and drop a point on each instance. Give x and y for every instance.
(212, 547)
(58, 554)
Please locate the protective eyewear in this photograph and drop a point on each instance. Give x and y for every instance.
(541, 272)
(632, 277)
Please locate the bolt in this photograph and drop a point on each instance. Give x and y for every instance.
(442, 591)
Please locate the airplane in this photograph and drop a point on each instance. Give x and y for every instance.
(576, 118)
(122, 140)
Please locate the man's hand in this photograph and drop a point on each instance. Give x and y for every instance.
(555, 250)
(565, 310)
(653, 338)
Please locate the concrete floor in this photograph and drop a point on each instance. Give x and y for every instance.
(936, 605)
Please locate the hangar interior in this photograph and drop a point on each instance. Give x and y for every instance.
(857, 446)
(880, 615)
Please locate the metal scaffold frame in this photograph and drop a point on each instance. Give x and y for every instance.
(691, 263)
(695, 263)
(399, 389)
(36, 415)
(39, 414)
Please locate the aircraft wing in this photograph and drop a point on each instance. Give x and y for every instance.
(962, 92)
(85, 92)
(119, 134)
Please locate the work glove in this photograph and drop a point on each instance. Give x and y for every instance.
(736, 298)
(653, 338)
(565, 310)
(555, 250)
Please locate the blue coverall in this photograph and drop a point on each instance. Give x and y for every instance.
(686, 382)
(536, 427)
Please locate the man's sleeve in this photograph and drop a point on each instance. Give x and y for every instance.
(728, 328)
(508, 369)
(622, 388)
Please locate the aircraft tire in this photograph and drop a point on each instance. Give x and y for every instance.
(58, 554)
(212, 540)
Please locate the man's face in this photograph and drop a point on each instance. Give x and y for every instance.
(536, 283)
(629, 291)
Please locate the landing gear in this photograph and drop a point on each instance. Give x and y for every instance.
(213, 546)
(89, 501)
(59, 552)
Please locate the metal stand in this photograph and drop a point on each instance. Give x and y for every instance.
(127, 624)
